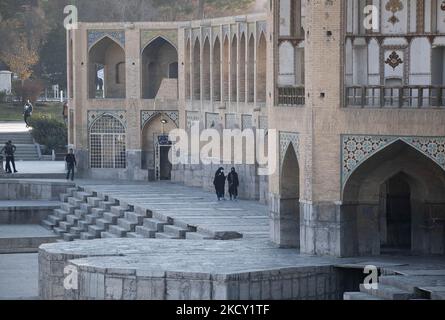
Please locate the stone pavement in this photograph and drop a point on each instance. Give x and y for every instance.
(13, 126)
(19, 276)
(189, 206)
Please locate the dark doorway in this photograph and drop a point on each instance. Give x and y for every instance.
(398, 215)
(165, 166)
(173, 70)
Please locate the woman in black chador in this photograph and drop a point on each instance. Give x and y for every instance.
(220, 182)
(232, 179)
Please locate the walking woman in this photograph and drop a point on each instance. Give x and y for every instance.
(220, 182)
(232, 179)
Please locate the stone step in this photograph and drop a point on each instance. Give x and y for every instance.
(359, 296)
(154, 224)
(79, 213)
(76, 230)
(118, 210)
(106, 205)
(68, 208)
(91, 219)
(72, 219)
(86, 208)
(54, 219)
(82, 196)
(70, 236)
(64, 197)
(163, 235)
(87, 236)
(95, 230)
(134, 235)
(61, 213)
(102, 224)
(83, 225)
(48, 224)
(59, 231)
(397, 281)
(134, 217)
(197, 236)
(108, 235)
(94, 201)
(65, 226)
(111, 217)
(126, 224)
(74, 202)
(387, 292)
(117, 231)
(175, 231)
(146, 232)
(97, 212)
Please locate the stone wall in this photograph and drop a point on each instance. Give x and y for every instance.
(32, 190)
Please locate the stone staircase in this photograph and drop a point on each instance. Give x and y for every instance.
(85, 215)
(26, 148)
(396, 287)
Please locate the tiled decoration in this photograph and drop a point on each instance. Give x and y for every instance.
(147, 116)
(95, 35)
(93, 115)
(286, 139)
(358, 148)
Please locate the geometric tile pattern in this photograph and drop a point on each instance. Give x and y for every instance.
(118, 114)
(212, 119)
(287, 138)
(192, 117)
(94, 35)
(148, 115)
(246, 121)
(358, 148)
(231, 121)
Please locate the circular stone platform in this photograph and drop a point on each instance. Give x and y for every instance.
(175, 269)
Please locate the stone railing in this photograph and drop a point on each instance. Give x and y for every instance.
(291, 96)
(397, 97)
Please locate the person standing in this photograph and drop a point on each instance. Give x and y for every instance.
(220, 182)
(70, 160)
(27, 112)
(232, 179)
(65, 112)
(9, 150)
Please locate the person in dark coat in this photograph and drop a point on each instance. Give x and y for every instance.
(27, 112)
(220, 182)
(9, 150)
(232, 179)
(70, 160)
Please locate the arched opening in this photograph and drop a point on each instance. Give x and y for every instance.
(233, 69)
(225, 66)
(289, 200)
(242, 69)
(155, 147)
(107, 143)
(251, 70)
(206, 70)
(197, 70)
(159, 59)
(394, 202)
(396, 214)
(106, 67)
(217, 70)
(187, 70)
(261, 70)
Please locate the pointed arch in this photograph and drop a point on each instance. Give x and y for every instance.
(107, 138)
(103, 59)
(242, 69)
(369, 198)
(234, 69)
(187, 68)
(206, 69)
(197, 69)
(261, 68)
(290, 199)
(225, 65)
(217, 70)
(251, 70)
(157, 58)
